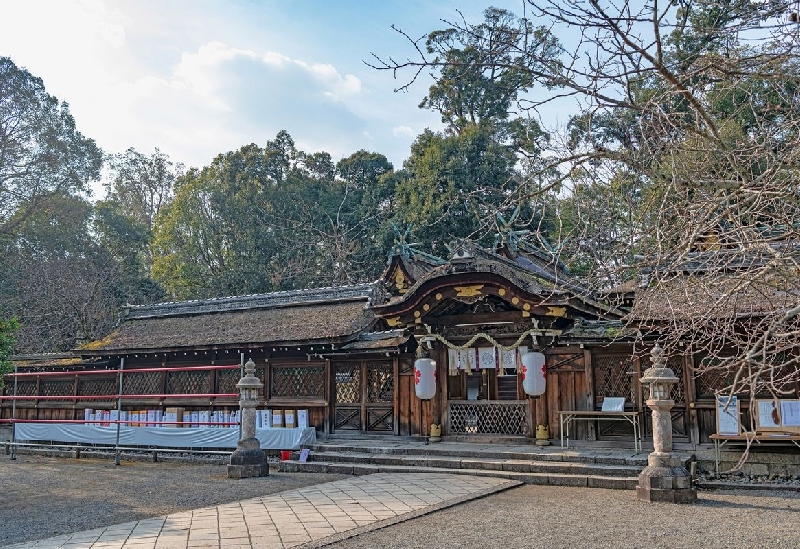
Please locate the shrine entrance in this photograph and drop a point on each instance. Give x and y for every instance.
(364, 396)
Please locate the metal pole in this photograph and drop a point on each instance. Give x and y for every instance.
(14, 417)
(119, 410)
(241, 375)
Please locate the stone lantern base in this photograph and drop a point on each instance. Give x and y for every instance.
(665, 479)
(248, 460)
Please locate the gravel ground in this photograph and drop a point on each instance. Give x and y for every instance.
(558, 517)
(43, 497)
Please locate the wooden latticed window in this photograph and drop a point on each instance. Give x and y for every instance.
(189, 382)
(678, 391)
(142, 383)
(347, 377)
(297, 381)
(93, 385)
(24, 388)
(227, 380)
(711, 379)
(612, 378)
(52, 387)
(380, 382)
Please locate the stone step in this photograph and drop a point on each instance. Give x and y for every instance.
(530, 465)
(552, 479)
(435, 450)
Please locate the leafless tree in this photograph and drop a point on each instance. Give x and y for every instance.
(679, 172)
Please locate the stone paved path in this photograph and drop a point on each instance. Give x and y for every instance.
(307, 517)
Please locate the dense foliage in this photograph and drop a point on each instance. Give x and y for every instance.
(7, 328)
(684, 139)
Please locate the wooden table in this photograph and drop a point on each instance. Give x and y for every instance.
(748, 438)
(568, 416)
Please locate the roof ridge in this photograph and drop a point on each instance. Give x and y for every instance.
(366, 291)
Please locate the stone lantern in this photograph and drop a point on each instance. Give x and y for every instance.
(248, 460)
(665, 478)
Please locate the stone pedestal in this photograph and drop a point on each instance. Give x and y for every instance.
(248, 460)
(665, 479)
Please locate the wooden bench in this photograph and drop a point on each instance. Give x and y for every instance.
(606, 413)
(750, 438)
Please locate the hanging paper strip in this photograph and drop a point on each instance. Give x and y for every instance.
(508, 361)
(471, 360)
(487, 358)
(452, 362)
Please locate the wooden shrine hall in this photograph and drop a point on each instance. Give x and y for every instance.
(345, 355)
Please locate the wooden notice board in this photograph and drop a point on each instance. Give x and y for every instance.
(782, 415)
(728, 416)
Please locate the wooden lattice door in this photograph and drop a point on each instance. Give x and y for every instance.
(614, 376)
(364, 394)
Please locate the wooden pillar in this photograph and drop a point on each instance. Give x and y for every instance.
(588, 369)
(637, 390)
(531, 416)
(36, 402)
(396, 395)
(75, 402)
(440, 402)
(329, 381)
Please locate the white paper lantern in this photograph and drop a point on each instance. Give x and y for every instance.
(425, 378)
(534, 374)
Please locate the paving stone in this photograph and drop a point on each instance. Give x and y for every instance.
(292, 518)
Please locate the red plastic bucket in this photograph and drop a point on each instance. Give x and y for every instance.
(286, 454)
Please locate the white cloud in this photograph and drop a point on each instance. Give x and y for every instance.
(219, 98)
(196, 78)
(403, 131)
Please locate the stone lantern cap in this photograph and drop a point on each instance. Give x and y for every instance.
(658, 372)
(659, 375)
(249, 381)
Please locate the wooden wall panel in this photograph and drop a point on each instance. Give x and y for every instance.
(407, 400)
(566, 390)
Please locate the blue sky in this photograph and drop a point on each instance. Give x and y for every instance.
(199, 77)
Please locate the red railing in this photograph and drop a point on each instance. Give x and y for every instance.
(119, 375)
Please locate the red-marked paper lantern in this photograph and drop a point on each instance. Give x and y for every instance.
(425, 378)
(534, 374)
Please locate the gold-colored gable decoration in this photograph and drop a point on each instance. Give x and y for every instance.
(468, 291)
(556, 311)
(400, 281)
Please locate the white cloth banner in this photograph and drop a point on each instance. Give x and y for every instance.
(271, 439)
